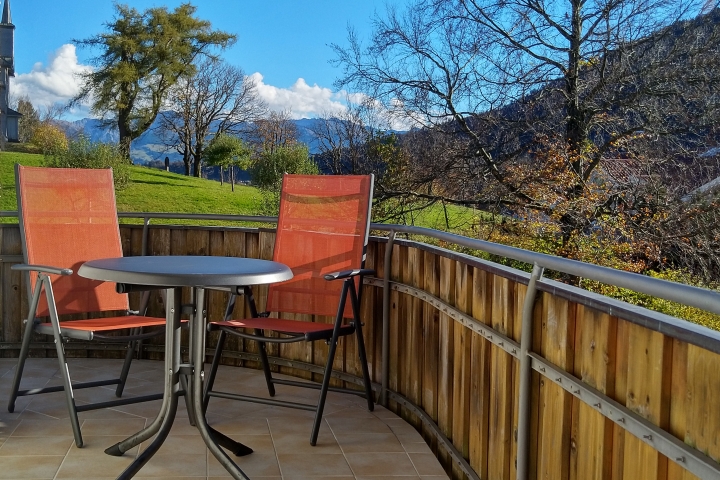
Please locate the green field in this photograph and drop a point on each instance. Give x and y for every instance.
(151, 190)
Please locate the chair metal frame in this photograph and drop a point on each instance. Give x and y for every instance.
(296, 331)
(63, 331)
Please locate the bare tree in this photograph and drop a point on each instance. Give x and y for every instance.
(218, 98)
(275, 130)
(534, 96)
(343, 138)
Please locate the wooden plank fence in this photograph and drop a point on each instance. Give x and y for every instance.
(454, 361)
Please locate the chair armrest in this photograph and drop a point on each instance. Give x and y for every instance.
(23, 267)
(348, 274)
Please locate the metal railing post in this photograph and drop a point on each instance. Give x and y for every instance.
(386, 319)
(145, 232)
(523, 448)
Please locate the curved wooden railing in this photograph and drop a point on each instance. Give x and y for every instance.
(506, 374)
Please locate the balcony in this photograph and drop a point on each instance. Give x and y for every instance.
(502, 373)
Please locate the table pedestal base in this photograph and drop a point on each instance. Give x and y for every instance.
(174, 389)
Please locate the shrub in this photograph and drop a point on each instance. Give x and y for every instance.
(83, 153)
(49, 138)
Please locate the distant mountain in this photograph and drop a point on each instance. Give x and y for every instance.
(149, 148)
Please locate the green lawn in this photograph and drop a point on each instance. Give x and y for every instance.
(151, 190)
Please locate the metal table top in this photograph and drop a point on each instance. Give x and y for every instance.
(182, 270)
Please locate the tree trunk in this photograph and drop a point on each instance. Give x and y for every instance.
(232, 178)
(125, 134)
(186, 162)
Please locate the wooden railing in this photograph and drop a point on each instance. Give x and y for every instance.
(612, 391)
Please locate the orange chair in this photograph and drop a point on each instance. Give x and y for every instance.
(67, 217)
(322, 236)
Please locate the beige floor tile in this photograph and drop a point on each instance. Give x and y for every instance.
(18, 446)
(341, 425)
(401, 427)
(43, 427)
(96, 445)
(300, 443)
(302, 426)
(172, 465)
(426, 464)
(380, 463)
(113, 426)
(388, 477)
(324, 477)
(36, 467)
(180, 444)
(369, 442)
(415, 447)
(303, 465)
(92, 466)
(244, 425)
(259, 443)
(254, 465)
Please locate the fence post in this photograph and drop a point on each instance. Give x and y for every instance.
(386, 319)
(523, 448)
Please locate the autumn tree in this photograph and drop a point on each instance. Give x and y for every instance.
(49, 138)
(142, 56)
(537, 87)
(218, 98)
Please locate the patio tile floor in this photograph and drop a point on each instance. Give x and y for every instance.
(36, 440)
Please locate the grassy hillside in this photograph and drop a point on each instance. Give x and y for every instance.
(153, 190)
(150, 191)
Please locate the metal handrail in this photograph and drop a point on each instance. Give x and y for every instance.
(702, 298)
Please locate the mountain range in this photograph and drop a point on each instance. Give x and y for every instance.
(149, 148)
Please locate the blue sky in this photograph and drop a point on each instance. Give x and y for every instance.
(284, 44)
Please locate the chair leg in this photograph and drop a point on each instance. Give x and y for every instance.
(64, 371)
(355, 302)
(323, 391)
(126, 365)
(364, 365)
(72, 410)
(24, 350)
(266, 365)
(210, 380)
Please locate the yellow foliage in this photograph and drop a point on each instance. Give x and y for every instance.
(49, 138)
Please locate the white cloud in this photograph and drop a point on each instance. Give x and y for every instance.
(301, 99)
(57, 82)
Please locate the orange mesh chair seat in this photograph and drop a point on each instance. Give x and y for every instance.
(322, 236)
(310, 331)
(67, 217)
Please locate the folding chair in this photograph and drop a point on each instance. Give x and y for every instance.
(67, 217)
(322, 236)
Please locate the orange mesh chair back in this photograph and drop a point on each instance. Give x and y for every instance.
(322, 228)
(322, 236)
(67, 217)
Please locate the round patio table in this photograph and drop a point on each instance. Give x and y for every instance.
(173, 273)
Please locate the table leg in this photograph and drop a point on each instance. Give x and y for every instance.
(163, 422)
(172, 344)
(209, 435)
